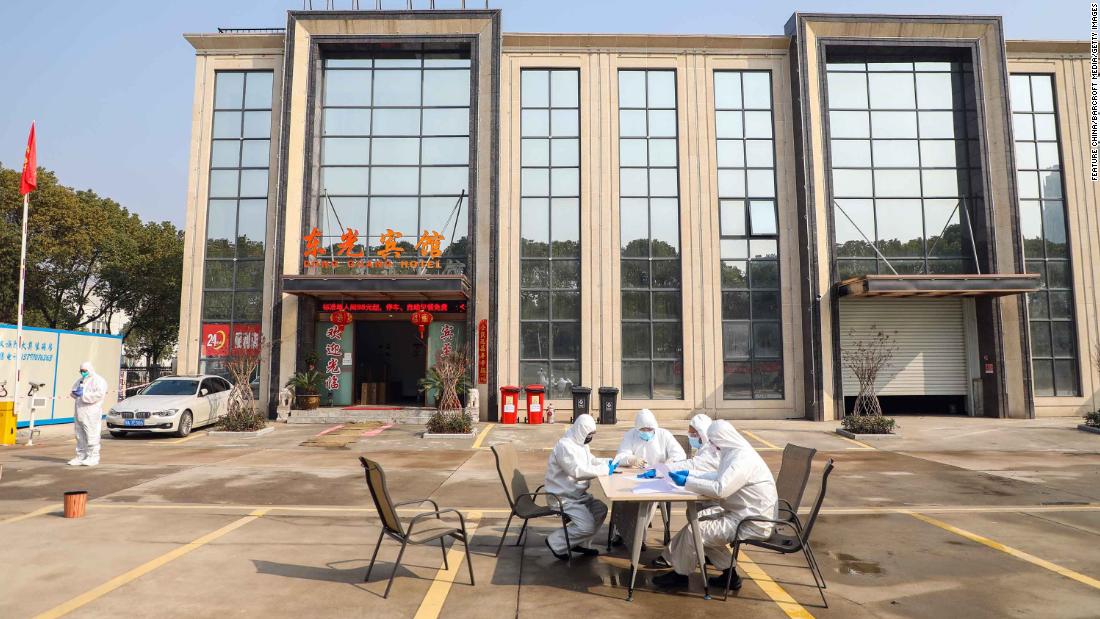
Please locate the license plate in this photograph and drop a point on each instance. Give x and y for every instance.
(133, 422)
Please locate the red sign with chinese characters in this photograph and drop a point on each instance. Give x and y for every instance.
(483, 352)
(218, 342)
(396, 307)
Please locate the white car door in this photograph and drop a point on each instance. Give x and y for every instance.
(204, 403)
(224, 391)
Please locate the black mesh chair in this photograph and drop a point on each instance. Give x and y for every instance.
(521, 500)
(436, 529)
(790, 483)
(796, 539)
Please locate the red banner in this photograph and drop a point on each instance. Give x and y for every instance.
(216, 340)
(483, 352)
(29, 181)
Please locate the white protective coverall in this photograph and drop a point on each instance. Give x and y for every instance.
(661, 448)
(568, 474)
(706, 457)
(743, 486)
(88, 417)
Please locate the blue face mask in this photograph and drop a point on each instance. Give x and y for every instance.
(84, 373)
(695, 443)
(645, 436)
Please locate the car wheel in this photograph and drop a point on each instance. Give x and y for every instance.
(118, 434)
(185, 424)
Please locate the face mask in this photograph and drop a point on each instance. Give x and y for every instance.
(84, 373)
(645, 436)
(695, 443)
(588, 439)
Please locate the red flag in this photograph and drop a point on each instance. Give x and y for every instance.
(29, 182)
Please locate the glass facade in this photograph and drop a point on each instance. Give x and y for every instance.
(905, 163)
(1054, 355)
(236, 220)
(550, 266)
(649, 215)
(395, 154)
(752, 340)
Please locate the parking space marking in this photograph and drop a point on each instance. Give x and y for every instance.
(753, 436)
(182, 440)
(143, 569)
(433, 601)
(38, 512)
(481, 437)
(1019, 554)
(851, 440)
(777, 593)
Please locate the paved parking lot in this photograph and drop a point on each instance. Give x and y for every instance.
(957, 517)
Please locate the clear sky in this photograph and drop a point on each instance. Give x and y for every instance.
(110, 82)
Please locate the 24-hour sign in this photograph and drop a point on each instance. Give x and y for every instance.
(396, 307)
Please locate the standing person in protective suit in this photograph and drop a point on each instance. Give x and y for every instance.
(568, 475)
(743, 486)
(89, 391)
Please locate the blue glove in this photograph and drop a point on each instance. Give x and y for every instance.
(79, 391)
(679, 477)
(650, 474)
(611, 466)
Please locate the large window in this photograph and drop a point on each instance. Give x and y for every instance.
(236, 219)
(649, 215)
(550, 268)
(395, 153)
(752, 342)
(1043, 225)
(905, 165)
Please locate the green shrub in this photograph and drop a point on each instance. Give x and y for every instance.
(868, 424)
(243, 419)
(449, 423)
(1093, 419)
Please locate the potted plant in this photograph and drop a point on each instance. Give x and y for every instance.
(307, 389)
(444, 381)
(865, 358)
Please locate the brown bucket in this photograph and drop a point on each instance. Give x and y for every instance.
(75, 503)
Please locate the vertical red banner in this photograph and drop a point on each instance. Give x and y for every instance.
(483, 352)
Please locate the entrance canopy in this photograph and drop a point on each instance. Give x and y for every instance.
(378, 287)
(902, 286)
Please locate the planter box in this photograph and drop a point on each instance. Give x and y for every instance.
(1084, 427)
(225, 433)
(854, 436)
(430, 435)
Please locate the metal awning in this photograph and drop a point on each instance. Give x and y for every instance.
(378, 287)
(903, 286)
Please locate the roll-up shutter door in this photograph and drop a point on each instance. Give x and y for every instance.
(930, 339)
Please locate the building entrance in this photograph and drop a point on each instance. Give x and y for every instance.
(390, 360)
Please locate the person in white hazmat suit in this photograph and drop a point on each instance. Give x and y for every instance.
(706, 456)
(568, 474)
(646, 445)
(743, 486)
(89, 392)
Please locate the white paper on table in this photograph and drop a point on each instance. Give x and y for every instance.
(657, 486)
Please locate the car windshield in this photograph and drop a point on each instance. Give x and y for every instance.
(172, 387)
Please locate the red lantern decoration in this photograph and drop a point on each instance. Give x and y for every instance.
(421, 319)
(340, 318)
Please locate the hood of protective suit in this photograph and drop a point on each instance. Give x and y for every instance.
(645, 419)
(87, 367)
(723, 436)
(581, 428)
(702, 423)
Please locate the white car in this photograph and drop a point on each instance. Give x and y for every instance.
(173, 404)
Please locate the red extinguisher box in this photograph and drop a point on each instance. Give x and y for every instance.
(536, 402)
(509, 399)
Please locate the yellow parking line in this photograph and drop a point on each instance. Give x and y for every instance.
(766, 443)
(432, 604)
(1019, 554)
(181, 440)
(778, 595)
(143, 569)
(850, 440)
(38, 512)
(481, 437)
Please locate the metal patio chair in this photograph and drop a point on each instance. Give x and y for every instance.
(790, 483)
(784, 543)
(521, 500)
(438, 529)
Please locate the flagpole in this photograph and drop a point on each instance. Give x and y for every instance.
(19, 325)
